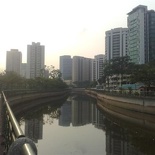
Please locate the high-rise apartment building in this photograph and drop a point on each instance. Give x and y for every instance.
(13, 61)
(97, 67)
(23, 70)
(81, 69)
(141, 38)
(150, 54)
(116, 43)
(137, 37)
(66, 67)
(35, 60)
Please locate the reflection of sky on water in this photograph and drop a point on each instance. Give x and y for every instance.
(58, 140)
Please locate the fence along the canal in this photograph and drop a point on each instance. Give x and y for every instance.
(16, 143)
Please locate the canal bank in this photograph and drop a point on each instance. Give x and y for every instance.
(132, 103)
(19, 99)
(23, 101)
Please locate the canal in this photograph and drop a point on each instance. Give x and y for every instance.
(77, 126)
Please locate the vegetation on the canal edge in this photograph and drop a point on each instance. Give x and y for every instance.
(122, 66)
(11, 80)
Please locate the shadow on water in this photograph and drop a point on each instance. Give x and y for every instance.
(36, 111)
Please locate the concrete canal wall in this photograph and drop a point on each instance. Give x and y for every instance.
(30, 102)
(133, 103)
(24, 101)
(36, 97)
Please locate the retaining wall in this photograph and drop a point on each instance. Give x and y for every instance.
(19, 99)
(138, 104)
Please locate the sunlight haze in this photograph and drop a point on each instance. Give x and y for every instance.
(64, 27)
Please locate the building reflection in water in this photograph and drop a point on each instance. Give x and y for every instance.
(66, 114)
(34, 129)
(117, 142)
(79, 111)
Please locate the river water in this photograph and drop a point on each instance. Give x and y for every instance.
(77, 126)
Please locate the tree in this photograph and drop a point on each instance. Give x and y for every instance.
(53, 73)
(107, 71)
(11, 80)
(119, 66)
(144, 73)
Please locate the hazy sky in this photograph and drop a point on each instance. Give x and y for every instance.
(65, 27)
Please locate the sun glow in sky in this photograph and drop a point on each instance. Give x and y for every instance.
(65, 27)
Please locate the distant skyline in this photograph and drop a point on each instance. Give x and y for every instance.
(64, 27)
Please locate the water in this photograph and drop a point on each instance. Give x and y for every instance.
(78, 127)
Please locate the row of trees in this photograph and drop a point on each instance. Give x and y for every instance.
(144, 73)
(11, 80)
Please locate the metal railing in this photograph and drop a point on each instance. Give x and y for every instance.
(128, 93)
(15, 141)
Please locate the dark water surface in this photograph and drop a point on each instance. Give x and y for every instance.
(78, 127)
